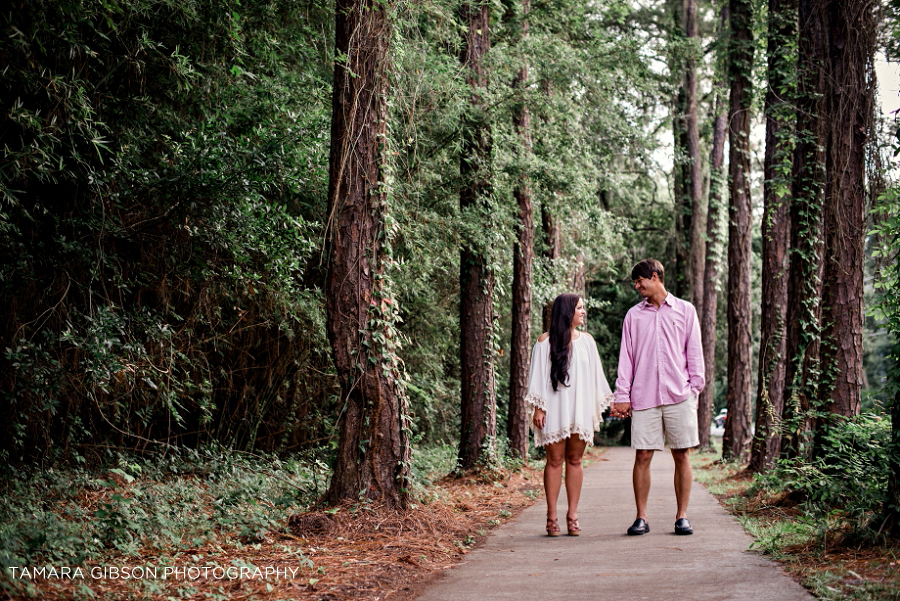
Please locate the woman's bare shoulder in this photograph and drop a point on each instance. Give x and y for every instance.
(544, 336)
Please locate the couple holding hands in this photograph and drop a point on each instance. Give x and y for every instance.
(659, 379)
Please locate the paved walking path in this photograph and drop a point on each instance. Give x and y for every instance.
(520, 562)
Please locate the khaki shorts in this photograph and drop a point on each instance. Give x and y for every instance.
(675, 424)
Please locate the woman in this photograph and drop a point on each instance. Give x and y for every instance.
(567, 393)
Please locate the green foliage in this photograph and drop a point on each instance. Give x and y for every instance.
(886, 308)
(845, 485)
(173, 502)
(161, 199)
(164, 186)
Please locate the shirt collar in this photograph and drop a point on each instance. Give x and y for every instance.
(669, 300)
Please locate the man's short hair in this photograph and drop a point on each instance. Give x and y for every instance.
(646, 269)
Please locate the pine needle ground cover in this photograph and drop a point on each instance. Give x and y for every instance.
(834, 559)
(219, 525)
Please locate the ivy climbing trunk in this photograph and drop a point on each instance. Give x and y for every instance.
(805, 279)
(740, 61)
(697, 228)
(523, 255)
(476, 320)
(852, 33)
(717, 184)
(776, 230)
(373, 453)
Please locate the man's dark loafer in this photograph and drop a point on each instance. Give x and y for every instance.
(683, 526)
(640, 526)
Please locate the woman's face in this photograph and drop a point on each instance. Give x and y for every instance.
(580, 314)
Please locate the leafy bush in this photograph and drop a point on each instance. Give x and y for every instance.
(135, 505)
(846, 484)
(162, 196)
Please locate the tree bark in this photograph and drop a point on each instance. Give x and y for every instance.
(523, 254)
(805, 281)
(476, 322)
(552, 252)
(737, 426)
(680, 276)
(852, 30)
(695, 184)
(679, 267)
(717, 185)
(711, 270)
(373, 453)
(776, 230)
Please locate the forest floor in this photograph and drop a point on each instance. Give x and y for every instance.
(359, 551)
(234, 518)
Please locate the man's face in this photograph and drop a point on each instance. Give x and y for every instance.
(646, 287)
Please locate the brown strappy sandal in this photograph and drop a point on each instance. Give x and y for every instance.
(552, 527)
(572, 526)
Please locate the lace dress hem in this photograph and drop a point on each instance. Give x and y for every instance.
(543, 439)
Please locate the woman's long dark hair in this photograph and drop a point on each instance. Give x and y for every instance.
(561, 338)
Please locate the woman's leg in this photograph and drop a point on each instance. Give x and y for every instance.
(574, 473)
(553, 475)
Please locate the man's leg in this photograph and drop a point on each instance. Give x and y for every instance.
(683, 478)
(640, 478)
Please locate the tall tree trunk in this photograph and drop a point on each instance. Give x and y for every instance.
(695, 184)
(579, 275)
(523, 253)
(373, 454)
(776, 231)
(852, 31)
(717, 186)
(476, 320)
(552, 252)
(679, 278)
(679, 267)
(740, 46)
(805, 281)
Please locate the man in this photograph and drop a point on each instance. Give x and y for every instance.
(660, 377)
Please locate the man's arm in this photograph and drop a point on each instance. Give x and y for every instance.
(694, 353)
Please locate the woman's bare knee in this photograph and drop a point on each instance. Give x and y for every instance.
(573, 460)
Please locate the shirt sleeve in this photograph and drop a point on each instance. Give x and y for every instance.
(538, 380)
(625, 374)
(694, 352)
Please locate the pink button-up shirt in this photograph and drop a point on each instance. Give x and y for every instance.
(661, 358)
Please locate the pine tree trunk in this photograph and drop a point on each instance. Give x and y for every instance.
(373, 453)
(695, 185)
(523, 254)
(776, 230)
(476, 321)
(852, 32)
(552, 252)
(711, 269)
(737, 426)
(805, 281)
(679, 277)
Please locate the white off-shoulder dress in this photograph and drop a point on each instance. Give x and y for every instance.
(575, 409)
